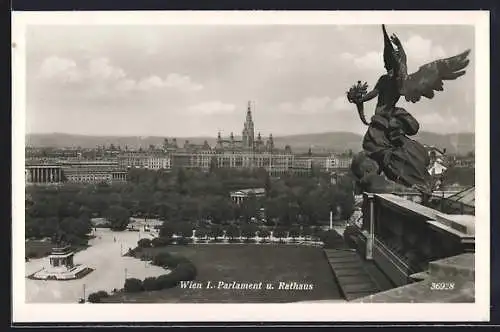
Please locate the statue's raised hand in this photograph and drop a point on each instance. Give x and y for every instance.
(396, 40)
(357, 92)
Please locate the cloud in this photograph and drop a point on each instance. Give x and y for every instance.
(371, 60)
(58, 68)
(149, 83)
(341, 104)
(444, 121)
(100, 69)
(315, 105)
(347, 56)
(286, 107)
(101, 76)
(272, 50)
(234, 49)
(181, 82)
(423, 49)
(419, 51)
(212, 107)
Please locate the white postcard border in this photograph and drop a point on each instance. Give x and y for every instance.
(293, 312)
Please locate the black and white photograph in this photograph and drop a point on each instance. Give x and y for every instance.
(307, 165)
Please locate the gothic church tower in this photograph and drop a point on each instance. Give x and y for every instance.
(248, 130)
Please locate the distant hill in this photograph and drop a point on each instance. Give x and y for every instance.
(461, 143)
(61, 140)
(337, 141)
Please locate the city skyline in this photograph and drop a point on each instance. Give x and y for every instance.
(159, 77)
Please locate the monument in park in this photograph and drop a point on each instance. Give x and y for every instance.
(62, 266)
(387, 147)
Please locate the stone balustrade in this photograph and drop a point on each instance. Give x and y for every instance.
(403, 237)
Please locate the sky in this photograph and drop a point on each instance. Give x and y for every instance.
(187, 81)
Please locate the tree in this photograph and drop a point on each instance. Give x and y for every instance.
(332, 240)
(118, 217)
(279, 232)
(161, 242)
(115, 199)
(133, 285)
(346, 205)
(183, 229)
(97, 296)
(248, 231)
(181, 180)
(291, 213)
(85, 212)
(82, 226)
(166, 230)
(264, 233)
(317, 233)
(232, 232)
(216, 231)
(162, 259)
(267, 184)
(144, 243)
(249, 207)
(151, 284)
(294, 232)
(201, 233)
(307, 231)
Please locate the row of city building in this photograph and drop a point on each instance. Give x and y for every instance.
(74, 172)
(116, 170)
(111, 165)
(277, 163)
(82, 165)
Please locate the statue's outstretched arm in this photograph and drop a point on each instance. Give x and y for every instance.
(357, 95)
(370, 95)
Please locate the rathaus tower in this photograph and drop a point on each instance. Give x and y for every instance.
(248, 130)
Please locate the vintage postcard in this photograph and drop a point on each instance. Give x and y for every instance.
(250, 166)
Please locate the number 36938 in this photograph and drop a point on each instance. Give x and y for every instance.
(442, 285)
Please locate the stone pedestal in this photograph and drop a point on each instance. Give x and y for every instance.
(61, 266)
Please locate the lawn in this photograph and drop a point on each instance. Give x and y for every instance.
(246, 263)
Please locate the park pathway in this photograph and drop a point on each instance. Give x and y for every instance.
(110, 269)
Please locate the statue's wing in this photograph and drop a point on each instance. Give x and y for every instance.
(430, 77)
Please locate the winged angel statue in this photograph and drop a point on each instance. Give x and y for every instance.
(386, 144)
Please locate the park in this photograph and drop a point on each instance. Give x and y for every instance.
(228, 245)
(203, 235)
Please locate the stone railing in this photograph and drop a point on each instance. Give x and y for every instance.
(402, 237)
(441, 201)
